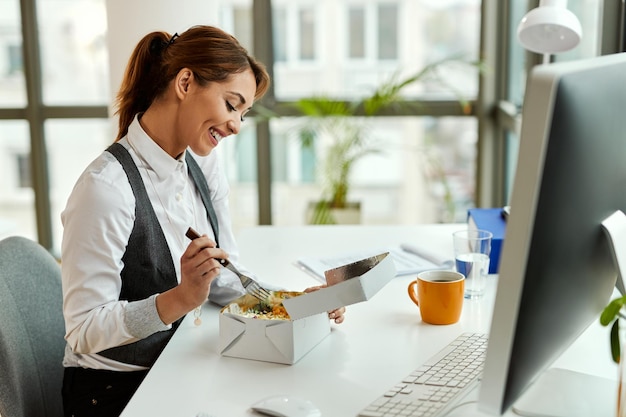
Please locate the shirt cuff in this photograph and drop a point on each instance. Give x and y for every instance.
(142, 318)
(225, 288)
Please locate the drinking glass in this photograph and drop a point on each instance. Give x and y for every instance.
(471, 253)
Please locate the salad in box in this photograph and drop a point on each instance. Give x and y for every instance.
(289, 324)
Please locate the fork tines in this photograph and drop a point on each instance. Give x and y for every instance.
(255, 290)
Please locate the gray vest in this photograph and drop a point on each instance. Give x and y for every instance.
(148, 265)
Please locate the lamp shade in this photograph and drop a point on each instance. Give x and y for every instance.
(549, 28)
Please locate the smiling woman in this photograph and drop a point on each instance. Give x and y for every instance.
(129, 273)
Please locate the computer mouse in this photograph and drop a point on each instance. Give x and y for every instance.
(286, 406)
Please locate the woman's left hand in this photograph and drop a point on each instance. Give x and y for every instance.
(337, 314)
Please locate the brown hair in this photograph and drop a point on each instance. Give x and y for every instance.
(212, 54)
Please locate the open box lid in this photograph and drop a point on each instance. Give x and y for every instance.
(347, 284)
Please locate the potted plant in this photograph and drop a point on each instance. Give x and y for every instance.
(334, 121)
(344, 125)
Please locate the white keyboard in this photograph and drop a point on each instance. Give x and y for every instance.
(434, 388)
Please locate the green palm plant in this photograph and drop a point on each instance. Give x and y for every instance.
(344, 123)
(348, 144)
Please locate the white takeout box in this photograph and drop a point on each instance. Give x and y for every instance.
(286, 341)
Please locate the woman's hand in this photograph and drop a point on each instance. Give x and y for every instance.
(337, 314)
(199, 266)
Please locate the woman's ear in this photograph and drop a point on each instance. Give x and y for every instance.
(183, 81)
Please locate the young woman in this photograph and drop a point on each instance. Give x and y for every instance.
(129, 273)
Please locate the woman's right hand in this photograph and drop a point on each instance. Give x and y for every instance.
(199, 267)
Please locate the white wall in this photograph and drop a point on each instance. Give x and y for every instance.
(129, 21)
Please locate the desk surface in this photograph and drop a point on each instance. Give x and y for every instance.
(379, 343)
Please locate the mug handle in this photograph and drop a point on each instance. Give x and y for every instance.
(412, 294)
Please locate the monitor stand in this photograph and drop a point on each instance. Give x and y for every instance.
(559, 392)
(564, 393)
(615, 228)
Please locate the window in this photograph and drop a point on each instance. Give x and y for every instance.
(588, 12)
(15, 65)
(74, 56)
(307, 34)
(365, 43)
(72, 144)
(74, 71)
(387, 31)
(356, 32)
(17, 205)
(12, 82)
(279, 21)
(242, 26)
(294, 27)
(372, 33)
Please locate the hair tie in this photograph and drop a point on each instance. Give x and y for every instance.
(171, 41)
(157, 46)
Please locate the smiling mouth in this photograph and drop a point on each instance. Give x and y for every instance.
(216, 135)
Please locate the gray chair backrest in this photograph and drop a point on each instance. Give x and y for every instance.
(31, 330)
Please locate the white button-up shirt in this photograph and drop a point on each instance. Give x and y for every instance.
(98, 221)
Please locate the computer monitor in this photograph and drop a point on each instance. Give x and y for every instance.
(557, 268)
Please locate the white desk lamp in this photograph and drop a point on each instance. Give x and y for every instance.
(550, 28)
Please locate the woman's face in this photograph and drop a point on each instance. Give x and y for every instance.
(208, 114)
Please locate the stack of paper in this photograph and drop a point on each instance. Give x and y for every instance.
(408, 260)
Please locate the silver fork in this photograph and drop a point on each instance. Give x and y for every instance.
(250, 285)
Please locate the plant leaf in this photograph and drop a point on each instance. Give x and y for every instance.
(611, 311)
(615, 346)
(322, 214)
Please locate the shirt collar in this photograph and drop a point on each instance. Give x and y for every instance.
(160, 161)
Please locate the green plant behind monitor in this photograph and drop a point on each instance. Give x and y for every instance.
(610, 316)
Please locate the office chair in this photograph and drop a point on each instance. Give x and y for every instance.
(31, 330)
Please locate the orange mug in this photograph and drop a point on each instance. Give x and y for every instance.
(439, 295)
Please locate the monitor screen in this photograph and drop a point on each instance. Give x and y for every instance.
(557, 270)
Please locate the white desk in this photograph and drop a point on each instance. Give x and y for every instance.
(379, 343)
